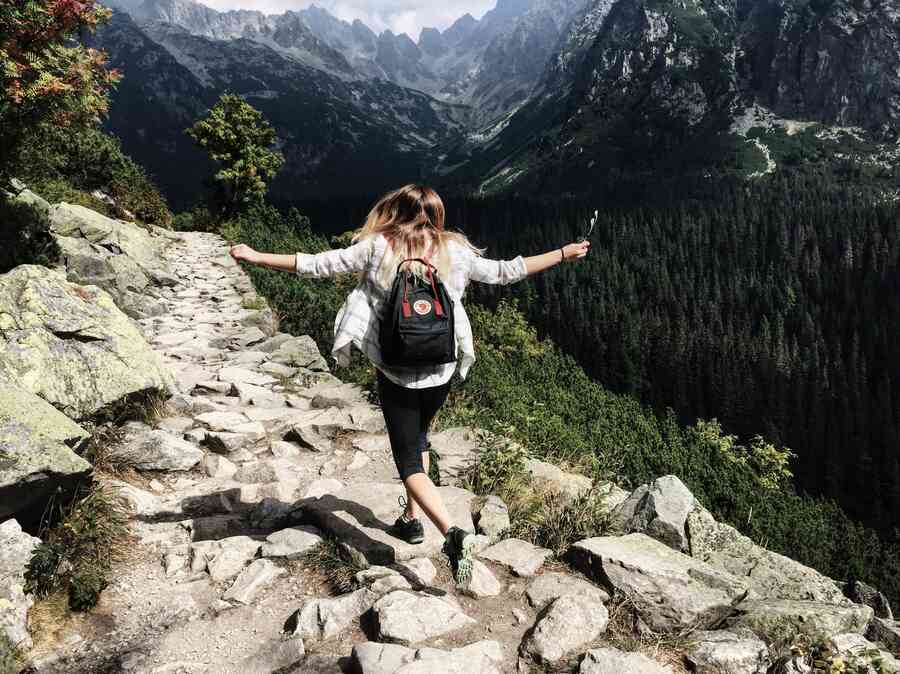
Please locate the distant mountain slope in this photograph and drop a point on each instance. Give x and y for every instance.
(491, 64)
(334, 134)
(681, 84)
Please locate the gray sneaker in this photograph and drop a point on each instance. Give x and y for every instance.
(458, 549)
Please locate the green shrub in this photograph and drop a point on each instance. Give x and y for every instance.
(67, 164)
(24, 236)
(78, 550)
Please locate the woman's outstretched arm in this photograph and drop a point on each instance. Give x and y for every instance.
(244, 253)
(539, 263)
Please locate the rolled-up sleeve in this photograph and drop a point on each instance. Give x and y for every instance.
(334, 262)
(500, 272)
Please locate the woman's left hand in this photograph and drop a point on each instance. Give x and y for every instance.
(576, 251)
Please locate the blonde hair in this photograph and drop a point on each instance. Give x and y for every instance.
(412, 220)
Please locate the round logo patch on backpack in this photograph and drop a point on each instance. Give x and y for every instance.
(422, 307)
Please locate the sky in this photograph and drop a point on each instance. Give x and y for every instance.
(400, 16)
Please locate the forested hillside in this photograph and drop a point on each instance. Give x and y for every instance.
(774, 307)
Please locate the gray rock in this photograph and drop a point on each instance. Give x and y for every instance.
(228, 557)
(523, 558)
(482, 583)
(222, 421)
(770, 575)
(614, 661)
(16, 548)
(405, 617)
(659, 510)
(357, 516)
(669, 590)
(291, 543)
(770, 620)
(727, 652)
(548, 477)
(239, 375)
(156, 450)
(259, 396)
(71, 345)
(218, 466)
(862, 593)
(36, 456)
(550, 586)
(855, 647)
(482, 657)
(252, 580)
(491, 516)
(458, 448)
(273, 656)
(325, 618)
(885, 632)
(299, 352)
(571, 622)
(320, 488)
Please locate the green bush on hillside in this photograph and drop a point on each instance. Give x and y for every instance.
(24, 236)
(67, 164)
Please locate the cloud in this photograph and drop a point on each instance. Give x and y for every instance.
(399, 16)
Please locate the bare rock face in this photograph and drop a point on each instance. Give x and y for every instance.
(669, 590)
(71, 345)
(571, 622)
(728, 652)
(36, 452)
(16, 548)
(157, 449)
(817, 620)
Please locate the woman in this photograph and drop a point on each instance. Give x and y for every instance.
(409, 223)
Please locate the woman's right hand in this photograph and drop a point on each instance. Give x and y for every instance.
(243, 252)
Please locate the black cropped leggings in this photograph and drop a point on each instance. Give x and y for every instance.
(408, 413)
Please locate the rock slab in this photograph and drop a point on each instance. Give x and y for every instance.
(669, 590)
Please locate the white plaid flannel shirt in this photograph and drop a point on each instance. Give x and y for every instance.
(358, 320)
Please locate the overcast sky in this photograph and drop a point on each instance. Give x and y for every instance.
(400, 16)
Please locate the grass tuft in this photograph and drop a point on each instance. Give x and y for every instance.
(335, 565)
(9, 656)
(81, 540)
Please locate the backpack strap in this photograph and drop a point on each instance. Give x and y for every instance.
(438, 307)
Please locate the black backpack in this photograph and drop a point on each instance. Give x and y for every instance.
(417, 326)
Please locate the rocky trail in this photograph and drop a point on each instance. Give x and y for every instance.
(260, 454)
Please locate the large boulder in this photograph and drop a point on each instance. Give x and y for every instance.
(71, 345)
(36, 452)
(862, 593)
(670, 591)
(659, 509)
(552, 585)
(16, 548)
(120, 257)
(885, 632)
(773, 620)
(770, 575)
(521, 557)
